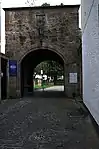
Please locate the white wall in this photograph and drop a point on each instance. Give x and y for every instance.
(2, 30)
(90, 52)
(0, 25)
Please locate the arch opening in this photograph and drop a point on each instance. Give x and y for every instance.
(28, 66)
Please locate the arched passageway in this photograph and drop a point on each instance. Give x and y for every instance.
(29, 62)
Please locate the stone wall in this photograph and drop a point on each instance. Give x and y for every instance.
(54, 27)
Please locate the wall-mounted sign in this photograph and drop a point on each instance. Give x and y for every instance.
(72, 77)
(12, 67)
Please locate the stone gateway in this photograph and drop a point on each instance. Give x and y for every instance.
(36, 34)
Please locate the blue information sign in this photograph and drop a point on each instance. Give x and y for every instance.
(12, 67)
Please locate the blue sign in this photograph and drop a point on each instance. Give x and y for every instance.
(12, 67)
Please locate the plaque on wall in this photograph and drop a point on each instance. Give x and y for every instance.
(12, 67)
(72, 77)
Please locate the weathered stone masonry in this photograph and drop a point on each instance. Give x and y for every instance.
(55, 28)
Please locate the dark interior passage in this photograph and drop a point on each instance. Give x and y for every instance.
(4, 78)
(28, 64)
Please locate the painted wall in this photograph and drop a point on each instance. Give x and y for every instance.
(2, 27)
(90, 52)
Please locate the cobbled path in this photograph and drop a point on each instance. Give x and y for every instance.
(44, 123)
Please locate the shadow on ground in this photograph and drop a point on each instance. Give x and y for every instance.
(49, 94)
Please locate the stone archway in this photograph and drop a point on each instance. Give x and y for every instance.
(30, 61)
(68, 68)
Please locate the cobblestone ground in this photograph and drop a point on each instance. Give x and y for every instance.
(45, 124)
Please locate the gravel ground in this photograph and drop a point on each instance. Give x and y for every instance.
(45, 123)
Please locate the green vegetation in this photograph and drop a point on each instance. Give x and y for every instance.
(50, 68)
(43, 86)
